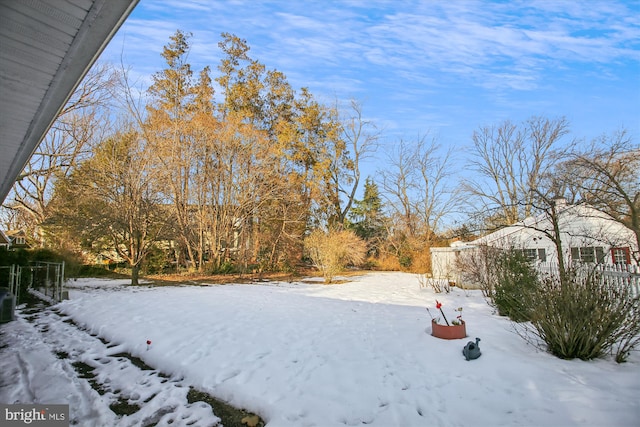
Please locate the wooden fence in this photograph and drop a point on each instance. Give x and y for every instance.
(615, 274)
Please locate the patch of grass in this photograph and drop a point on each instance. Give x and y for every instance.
(86, 372)
(123, 407)
(62, 355)
(136, 361)
(230, 416)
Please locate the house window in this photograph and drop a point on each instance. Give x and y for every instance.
(530, 254)
(19, 240)
(621, 255)
(535, 254)
(588, 254)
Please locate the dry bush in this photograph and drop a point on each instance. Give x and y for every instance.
(331, 252)
(477, 267)
(388, 262)
(413, 261)
(438, 285)
(506, 277)
(420, 261)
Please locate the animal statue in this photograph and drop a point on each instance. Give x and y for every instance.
(472, 350)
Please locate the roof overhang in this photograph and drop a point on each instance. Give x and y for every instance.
(46, 48)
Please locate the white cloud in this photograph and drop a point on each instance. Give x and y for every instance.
(516, 41)
(455, 63)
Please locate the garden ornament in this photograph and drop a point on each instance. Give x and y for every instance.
(472, 350)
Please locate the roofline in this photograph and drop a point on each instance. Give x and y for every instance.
(5, 237)
(103, 20)
(518, 226)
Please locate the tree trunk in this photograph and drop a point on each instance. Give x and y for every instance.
(557, 241)
(135, 272)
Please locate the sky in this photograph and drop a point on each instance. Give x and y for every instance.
(440, 69)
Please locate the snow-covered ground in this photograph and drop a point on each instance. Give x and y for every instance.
(303, 354)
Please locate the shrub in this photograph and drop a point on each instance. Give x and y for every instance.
(587, 318)
(405, 260)
(388, 262)
(507, 279)
(516, 281)
(227, 267)
(371, 263)
(95, 270)
(156, 261)
(420, 261)
(333, 251)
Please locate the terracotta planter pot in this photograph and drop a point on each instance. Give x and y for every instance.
(452, 332)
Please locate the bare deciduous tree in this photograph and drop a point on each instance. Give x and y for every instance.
(510, 160)
(111, 201)
(418, 197)
(361, 140)
(607, 176)
(79, 124)
(398, 188)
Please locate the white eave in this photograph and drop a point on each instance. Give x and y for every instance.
(46, 48)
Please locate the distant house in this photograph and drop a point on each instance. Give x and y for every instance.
(17, 239)
(587, 235)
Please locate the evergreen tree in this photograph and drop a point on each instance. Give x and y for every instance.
(367, 217)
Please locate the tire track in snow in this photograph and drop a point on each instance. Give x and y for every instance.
(24, 373)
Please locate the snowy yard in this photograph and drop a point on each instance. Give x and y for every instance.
(304, 354)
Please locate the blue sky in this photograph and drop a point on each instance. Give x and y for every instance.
(437, 67)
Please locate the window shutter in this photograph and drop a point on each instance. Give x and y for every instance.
(599, 254)
(621, 255)
(542, 255)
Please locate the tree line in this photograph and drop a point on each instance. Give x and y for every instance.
(239, 179)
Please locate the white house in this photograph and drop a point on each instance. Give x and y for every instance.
(587, 235)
